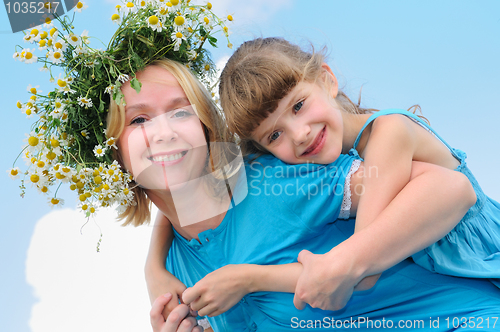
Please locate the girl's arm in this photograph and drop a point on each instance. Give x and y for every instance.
(427, 208)
(159, 281)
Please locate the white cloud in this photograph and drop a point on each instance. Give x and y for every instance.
(79, 289)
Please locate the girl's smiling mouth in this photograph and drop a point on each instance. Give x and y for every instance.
(317, 145)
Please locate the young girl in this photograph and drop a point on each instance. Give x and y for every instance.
(283, 101)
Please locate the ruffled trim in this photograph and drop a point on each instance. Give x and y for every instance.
(345, 209)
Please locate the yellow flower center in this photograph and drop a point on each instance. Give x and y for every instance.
(51, 155)
(82, 197)
(74, 38)
(130, 4)
(54, 201)
(209, 5)
(19, 105)
(115, 17)
(52, 31)
(72, 187)
(28, 55)
(143, 3)
(99, 151)
(174, 2)
(111, 142)
(49, 42)
(33, 90)
(206, 20)
(34, 32)
(44, 189)
(163, 11)
(126, 191)
(42, 43)
(28, 111)
(105, 187)
(48, 20)
(33, 141)
(153, 20)
(79, 5)
(97, 179)
(178, 34)
(226, 29)
(54, 142)
(58, 104)
(58, 45)
(40, 164)
(34, 178)
(13, 172)
(229, 17)
(179, 20)
(61, 83)
(84, 207)
(79, 184)
(60, 176)
(92, 210)
(207, 67)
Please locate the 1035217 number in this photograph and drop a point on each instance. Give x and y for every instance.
(31, 7)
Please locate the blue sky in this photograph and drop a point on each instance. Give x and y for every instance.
(441, 55)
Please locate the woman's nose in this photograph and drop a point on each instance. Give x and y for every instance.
(161, 130)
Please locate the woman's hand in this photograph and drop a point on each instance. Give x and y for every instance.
(179, 319)
(162, 282)
(219, 290)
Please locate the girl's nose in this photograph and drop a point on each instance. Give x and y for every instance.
(300, 134)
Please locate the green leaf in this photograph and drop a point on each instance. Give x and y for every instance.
(134, 83)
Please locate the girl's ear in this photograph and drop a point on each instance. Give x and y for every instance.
(331, 80)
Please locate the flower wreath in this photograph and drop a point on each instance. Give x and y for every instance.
(68, 142)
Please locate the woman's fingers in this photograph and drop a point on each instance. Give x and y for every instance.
(157, 308)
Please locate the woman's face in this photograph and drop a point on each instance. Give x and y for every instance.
(163, 143)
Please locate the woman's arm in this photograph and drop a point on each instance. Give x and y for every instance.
(221, 289)
(428, 207)
(159, 281)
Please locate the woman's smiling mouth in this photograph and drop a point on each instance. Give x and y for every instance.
(167, 157)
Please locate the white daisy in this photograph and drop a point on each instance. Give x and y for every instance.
(109, 90)
(99, 151)
(14, 173)
(27, 56)
(55, 56)
(178, 37)
(73, 39)
(154, 23)
(85, 133)
(80, 6)
(123, 78)
(111, 142)
(84, 102)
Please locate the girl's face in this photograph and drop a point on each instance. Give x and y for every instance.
(163, 143)
(306, 127)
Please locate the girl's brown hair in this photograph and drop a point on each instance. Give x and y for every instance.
(258, 75)
(220, 155)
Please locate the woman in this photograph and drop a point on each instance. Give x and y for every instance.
(277, 227)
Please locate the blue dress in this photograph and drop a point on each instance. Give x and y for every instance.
(281, 209)
(472, 248)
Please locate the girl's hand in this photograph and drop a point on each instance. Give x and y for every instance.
(219, 291)
(179, 319)
(326, 282)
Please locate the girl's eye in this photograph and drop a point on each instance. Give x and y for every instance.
(138, 120)
(274, 136)
(298, 106)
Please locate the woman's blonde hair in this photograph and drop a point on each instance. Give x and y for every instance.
(259, 74)
(220, 155)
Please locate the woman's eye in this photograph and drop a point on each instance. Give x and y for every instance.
(298, 106)
(274, 136)
(138, 121)
(181, 114)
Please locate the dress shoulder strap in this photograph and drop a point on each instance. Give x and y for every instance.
(405, 113)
